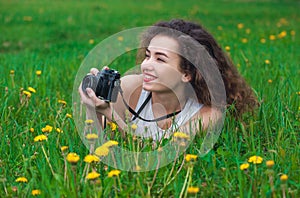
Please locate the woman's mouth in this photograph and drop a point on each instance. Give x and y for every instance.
(148, 78)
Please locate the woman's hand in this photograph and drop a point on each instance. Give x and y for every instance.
(90, 99)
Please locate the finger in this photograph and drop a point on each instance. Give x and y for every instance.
(93, 96)
(80, 88)
(105, 67)
(94, 71)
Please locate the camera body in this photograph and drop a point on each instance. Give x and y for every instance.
(105, 84)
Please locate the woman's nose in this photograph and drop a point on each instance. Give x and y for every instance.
(147, 64)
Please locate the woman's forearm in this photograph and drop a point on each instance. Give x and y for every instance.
(112, 116)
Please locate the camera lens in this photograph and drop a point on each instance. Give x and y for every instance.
(89, 81)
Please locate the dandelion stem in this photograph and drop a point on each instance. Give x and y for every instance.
(116, 191)
(168, 182)
(190, 179)
(173, 166)
(185, 182)
(5, 188)
(47, 159)
(12, 81)
(120, 184)
(75, 182)
(283, 190)
(156, 171)
(65, 171)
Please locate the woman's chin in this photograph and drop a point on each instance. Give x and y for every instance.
(147, 87)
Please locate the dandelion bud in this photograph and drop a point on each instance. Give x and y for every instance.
(284, 178)
(73, 158)
(38, 72)
(270, 163)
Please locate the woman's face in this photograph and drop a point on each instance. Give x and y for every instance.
(160, 67)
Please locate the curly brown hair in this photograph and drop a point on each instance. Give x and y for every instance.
(239, 94)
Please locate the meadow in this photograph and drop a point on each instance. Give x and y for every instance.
(42, 46)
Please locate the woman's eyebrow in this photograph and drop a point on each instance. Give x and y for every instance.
(158, 53)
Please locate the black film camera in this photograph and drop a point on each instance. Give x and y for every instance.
(105, 84)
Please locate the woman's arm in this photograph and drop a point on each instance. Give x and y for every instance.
(204, 120)
(113, 112)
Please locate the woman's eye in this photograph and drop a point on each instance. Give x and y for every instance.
(147, 55)
(161, 60)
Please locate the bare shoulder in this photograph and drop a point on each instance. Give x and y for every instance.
(132, 87)
(209, 110)
(130, 81)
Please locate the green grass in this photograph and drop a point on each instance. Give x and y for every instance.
(56, 40)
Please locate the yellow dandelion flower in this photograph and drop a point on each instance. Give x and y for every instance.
(91, 158)
(73, 158)
(267, 62)
(284, 177)
(244, 166)
(92, 176)
(91, 41)
(160, 149)
(190, 157)
(263, 40)
(38, 72)
(255, 159)
(12, 72)
(240, 26)
(110, 143)
(91, 136)
(63, 148)
(220, 28)
(282, 34)
(112, 125)
(89, 121)
(58, 130)
(182, 144)
(62, 102)
(21, 180)
(40, 138)
(227, 48)
(36, 192)
(47, 129)
(193, 190)
(248, 31)
(272, 37)
(27, 93)
(102, 151)
(133, 126)
(293, 32)
(68, 115)
(134, 138)
(181, 135)
(120, 38)
(270, 81)
(32, 90)
(270, 163)
(113, 173)
(244, 40)
(27, 18)
(138, 168)
(31, 130)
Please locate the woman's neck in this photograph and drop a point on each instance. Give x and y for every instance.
(168, 101)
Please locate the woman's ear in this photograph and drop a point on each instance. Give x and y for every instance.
(186, 78)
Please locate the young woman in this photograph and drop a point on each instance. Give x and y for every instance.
(178, 88)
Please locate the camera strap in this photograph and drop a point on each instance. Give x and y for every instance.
(136, 114)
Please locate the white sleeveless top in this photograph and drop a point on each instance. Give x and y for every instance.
(151, 129)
